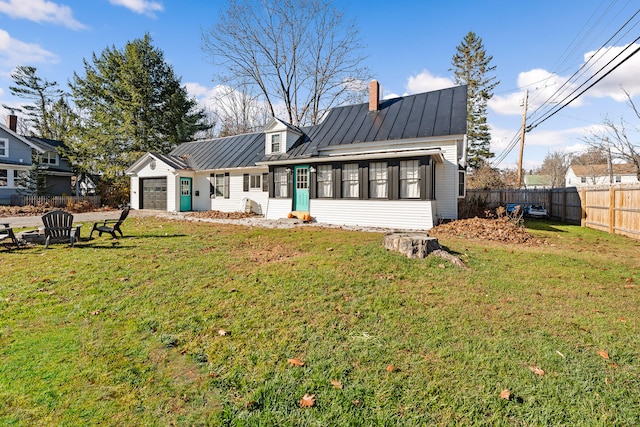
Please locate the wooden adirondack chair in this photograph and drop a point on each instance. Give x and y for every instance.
(58, 227)
(7, 233)
(110, 225)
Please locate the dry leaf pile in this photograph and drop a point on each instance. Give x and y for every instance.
(501, 229)
(220, 215)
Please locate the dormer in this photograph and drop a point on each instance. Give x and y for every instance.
(279, 137)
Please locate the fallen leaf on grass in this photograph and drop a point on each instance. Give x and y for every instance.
(336, 384)
(505, 394)
(308, 400)
(603, 354)
(222, 332)
(536, 370)
(72, 272)
(391, 368)
(295, 362)
(629, 279)
(95, 312)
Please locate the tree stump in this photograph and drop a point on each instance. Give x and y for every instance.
(418, 245)
(411, 245)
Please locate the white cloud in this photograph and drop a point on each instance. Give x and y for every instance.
(15, 52)
(425, 82)
(624, 77)
(143, 7)
(41, 11)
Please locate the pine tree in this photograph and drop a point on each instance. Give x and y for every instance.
(40, 93)
(472, 66)
(131, 101)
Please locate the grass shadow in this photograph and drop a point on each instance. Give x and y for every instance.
(543, 225)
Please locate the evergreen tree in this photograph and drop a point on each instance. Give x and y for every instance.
(131, 101)
(41, 94)
(472, 66)
(34, 181)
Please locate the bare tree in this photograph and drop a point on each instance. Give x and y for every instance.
(239, 112)
(555, 166)
(299, 53)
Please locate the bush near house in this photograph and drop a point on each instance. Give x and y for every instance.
(182, 323)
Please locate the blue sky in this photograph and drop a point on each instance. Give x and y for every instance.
(408, 43)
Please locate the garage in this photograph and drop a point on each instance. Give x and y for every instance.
(154, 193)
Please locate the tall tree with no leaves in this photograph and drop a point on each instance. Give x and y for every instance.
(555, 166)
(299, 53)
(472, 66)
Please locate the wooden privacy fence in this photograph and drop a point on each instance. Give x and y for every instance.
(54, 201)
(615, 209)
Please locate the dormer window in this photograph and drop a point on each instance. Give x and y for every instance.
(4, 147)
(50, 158)
(275, 143)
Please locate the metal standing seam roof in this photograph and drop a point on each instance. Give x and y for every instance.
(430, 114)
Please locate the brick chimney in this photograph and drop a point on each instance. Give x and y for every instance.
(12, 122)
(374, 95)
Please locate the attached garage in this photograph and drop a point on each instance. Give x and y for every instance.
(153, 193)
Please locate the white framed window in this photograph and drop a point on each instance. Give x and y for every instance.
(255, 182)
(4, 147)
(378, 180)
(350, 181)
(19, 177)
(583, 179)
(276, 143)
(324, 179)
(4, 181)
(409, 179)
(618, 178)
(218, 185)
(462, 184)
(280, 183)
(50, 158)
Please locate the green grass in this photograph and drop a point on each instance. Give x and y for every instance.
(128, 334)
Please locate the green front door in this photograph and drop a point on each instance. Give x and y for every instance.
(301, 188)
(185, 194)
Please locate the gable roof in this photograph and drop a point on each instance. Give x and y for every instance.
(45, 144)
(438, 113)
(603, 170)
(223, 153)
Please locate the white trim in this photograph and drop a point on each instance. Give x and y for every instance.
(435, 153)
(6, 147)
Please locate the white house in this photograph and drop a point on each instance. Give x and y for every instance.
(396, 163)
(590, 175)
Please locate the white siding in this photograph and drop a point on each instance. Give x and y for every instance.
(200, 202)
(236, 195)
(162, 170)
(173, 193)
(447, 182)
(278, 208)
(400, 214)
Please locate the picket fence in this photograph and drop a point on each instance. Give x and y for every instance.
(54, 201)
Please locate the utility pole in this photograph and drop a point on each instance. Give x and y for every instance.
(522, 132)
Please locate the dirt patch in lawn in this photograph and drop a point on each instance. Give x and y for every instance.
(503, 229)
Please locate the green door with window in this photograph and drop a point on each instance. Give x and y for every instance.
(185, 194)
(301, 188)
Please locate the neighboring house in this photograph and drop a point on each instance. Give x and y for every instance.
(397, 163)
(590, 175)
(535, 182)
(16, 158)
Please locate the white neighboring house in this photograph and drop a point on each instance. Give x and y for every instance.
(593, 175)
(396, 163)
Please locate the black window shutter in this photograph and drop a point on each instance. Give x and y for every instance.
(313, 182)
(265, 181)
(212, 187)
(245, 182)
(227, 180)
(364, 180)
(271, 186)
(422, 170)
(290, 183)
(337, 181)
(394, 180)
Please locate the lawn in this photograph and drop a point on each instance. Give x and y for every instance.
(183, 323)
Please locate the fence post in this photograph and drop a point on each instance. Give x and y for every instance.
(583, 207)
(612, 210)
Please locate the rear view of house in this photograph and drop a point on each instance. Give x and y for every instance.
(395, 163)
